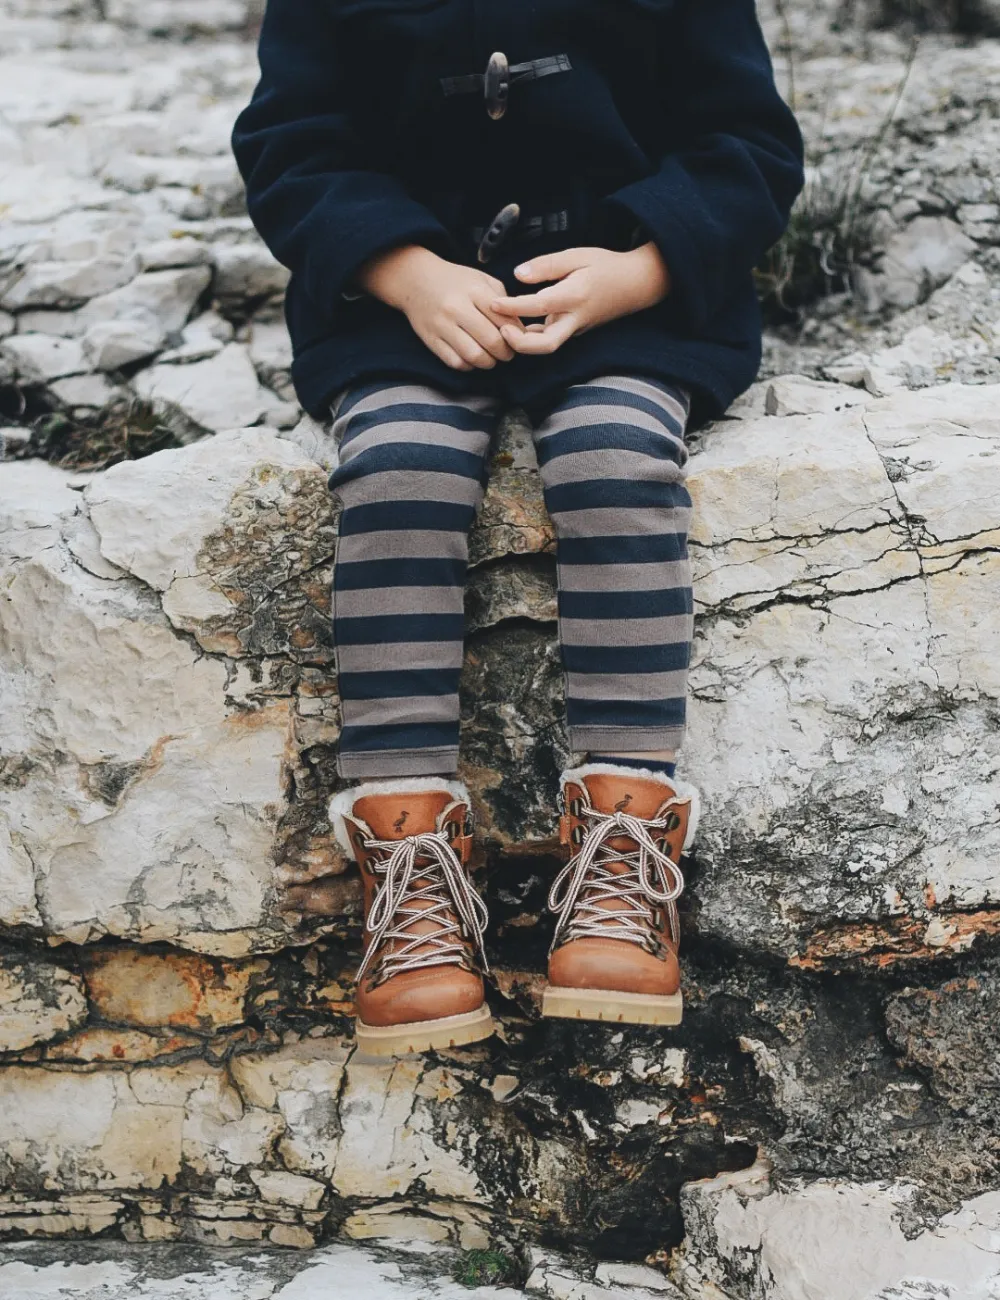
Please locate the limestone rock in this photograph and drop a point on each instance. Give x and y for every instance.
(921, 257)
(38, 1002)
(117, 739)
(136, 320)
(55, 284)
(248, 271)
(748, 1240)
(163, 520)
(169, 1272)
(219, 393)
(39, 358)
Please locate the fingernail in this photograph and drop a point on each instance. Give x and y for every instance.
(523, 269)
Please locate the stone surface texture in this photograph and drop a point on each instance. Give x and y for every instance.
(178, 930)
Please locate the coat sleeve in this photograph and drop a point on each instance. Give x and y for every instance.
(313, 193)
(725, 184)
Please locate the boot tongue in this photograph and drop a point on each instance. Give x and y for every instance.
(394, 816)
(628, 792)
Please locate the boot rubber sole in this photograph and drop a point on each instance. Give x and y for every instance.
(424, 1035)
(617, 1008)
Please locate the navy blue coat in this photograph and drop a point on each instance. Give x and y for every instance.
(370, 128)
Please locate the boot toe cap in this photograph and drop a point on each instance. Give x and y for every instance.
(614, 965)
(414, 996)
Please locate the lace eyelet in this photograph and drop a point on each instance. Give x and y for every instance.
(358, 839)
(673, 821)
(452, 830)
(576, 807)
(470, 825)
(576, 835)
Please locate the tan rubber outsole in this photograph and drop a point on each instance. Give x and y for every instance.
(618, 1008)
(424, 1035)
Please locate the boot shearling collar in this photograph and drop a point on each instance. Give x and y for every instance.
(681, 788)
(344, 800)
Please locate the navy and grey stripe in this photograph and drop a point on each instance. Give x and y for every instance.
(412, 469)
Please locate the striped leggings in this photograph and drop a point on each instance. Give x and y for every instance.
(412, 469)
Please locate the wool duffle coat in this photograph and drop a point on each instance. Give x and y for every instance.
(494, 130)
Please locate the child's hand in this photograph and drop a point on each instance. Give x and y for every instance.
(449, 306)
(596, 285)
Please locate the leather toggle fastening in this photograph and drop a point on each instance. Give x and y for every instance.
(500, 75)
(503, 223)
(496, 85)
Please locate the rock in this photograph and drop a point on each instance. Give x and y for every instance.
(270, 349)
(118, 737)
(136, 321)
(132, 1130)
(179, 18)
(38, 1002)
(40, 358)
(220, 393)
(13, 438)
(64, 324)
(202, 338)
(169, 1272)
(112, 344)
(58, 284)
(101, 1046)
(86, 392)
(279, 414)
(289, 1189)
(177, 990)
(247, 271)
(921, 257)
(168, 253)
(161, 519)
(753, 1240)
(946, 1033)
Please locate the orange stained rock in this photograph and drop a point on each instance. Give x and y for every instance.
(97, 1045)
(130, 986)
(901, 939)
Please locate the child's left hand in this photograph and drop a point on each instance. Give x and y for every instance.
(596, 285)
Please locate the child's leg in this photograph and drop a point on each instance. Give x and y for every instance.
(411, 474)
(612, 458)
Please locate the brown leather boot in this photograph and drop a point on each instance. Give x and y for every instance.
(419, 985)
(614, 952)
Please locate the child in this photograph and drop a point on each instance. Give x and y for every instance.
(554, 204)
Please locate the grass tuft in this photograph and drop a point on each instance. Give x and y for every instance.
(485, 1268)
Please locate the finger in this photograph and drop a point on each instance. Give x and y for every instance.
(557, 298)
(547, 339)
(486, 334)
(470, 350)
(484, 302)
(449, 356)
(552, 266)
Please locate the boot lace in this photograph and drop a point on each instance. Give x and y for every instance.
(399, 902)
(652, 880)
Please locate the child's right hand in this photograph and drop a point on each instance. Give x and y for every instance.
(448, 305)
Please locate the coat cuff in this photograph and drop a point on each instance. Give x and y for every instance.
(333, 263)
(651, 203)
